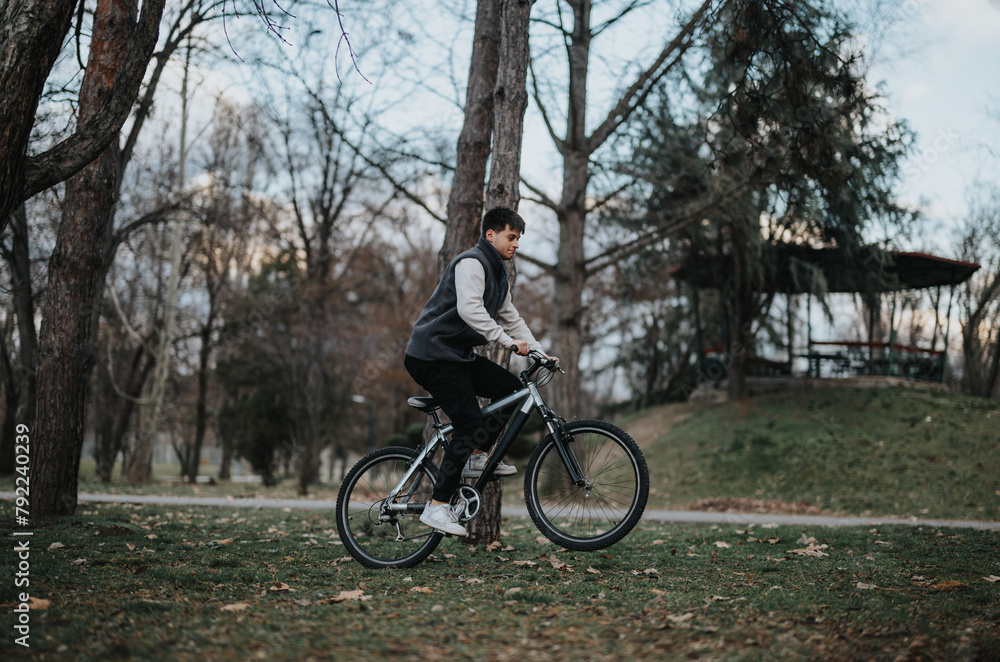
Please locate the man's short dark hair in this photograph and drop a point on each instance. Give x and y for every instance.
(499, 219)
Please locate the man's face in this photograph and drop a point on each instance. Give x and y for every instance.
(504, 241)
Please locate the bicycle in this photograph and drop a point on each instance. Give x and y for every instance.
(585, 486)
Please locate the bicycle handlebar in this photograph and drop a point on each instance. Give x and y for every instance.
(546, 362)
(543, 360)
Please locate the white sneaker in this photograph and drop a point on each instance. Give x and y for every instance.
(442, 518)
(476, 463)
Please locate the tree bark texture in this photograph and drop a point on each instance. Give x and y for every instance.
(74, 267)
(31, 35)
(510, 99)
(465, 202)
(24, 308)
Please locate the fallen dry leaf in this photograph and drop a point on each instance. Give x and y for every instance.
(992, 578)
(130, 546)
(559, 565)
(542, 539)
(227, 541)
(593, 571)
(721, 544)
(79, 561)
(865, 587)
(659, 542)
(350, 595)
(950, 585)
(56, 545)
(236, 606)
(38, 603)
(280, 586)
(683, 618)
(657, 591)
(510, 591)
(473, 580)
(811, 550)
(303, 602)
(152, 536)
(493, 546)
(525, 563)
(421, 589)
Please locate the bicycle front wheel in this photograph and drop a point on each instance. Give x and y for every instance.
(379, 532)
(607, 506)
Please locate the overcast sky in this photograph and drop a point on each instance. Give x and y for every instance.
(943, 77)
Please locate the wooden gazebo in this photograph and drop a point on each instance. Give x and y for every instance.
(801, 270)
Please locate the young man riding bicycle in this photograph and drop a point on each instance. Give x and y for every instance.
(470, 307)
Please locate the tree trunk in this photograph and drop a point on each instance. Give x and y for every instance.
(571, 271)
(225, 470)
(23, 367)
(201, 410)
(73, 270)
(570, 274)
(510, 99)
(141, 466)
(465, 203)
(567, 307)
(738, 308)
(8, 430)
(31, 34)
(114, 423)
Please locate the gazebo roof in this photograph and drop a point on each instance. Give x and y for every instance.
(793, 265)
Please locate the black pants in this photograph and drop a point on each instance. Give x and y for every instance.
(455, 385)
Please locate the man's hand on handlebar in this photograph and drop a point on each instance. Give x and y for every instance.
(520, 347)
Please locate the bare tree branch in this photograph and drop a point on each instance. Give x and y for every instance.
(640, 89)
(632, 6)
(542, 198)
(73, 154)
(617, 253)
(559, 142)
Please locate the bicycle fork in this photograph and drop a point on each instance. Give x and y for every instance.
(557, 426)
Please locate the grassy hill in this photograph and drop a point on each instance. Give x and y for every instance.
(865, 451)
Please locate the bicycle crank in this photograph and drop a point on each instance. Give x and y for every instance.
(466, 503)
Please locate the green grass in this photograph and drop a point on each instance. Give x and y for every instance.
(153, 583)
(869, 452)
(865, 452)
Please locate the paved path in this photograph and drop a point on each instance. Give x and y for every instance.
(693, 516)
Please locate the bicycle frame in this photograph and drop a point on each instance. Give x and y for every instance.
(530, 400)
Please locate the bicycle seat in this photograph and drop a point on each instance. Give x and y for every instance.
(426, 405)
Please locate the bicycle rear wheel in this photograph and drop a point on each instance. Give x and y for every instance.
(375, 536)
(600, 512)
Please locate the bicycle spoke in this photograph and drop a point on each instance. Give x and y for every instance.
(372, 534)
(610, 502)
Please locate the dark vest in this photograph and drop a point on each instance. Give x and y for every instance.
(440, 333)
